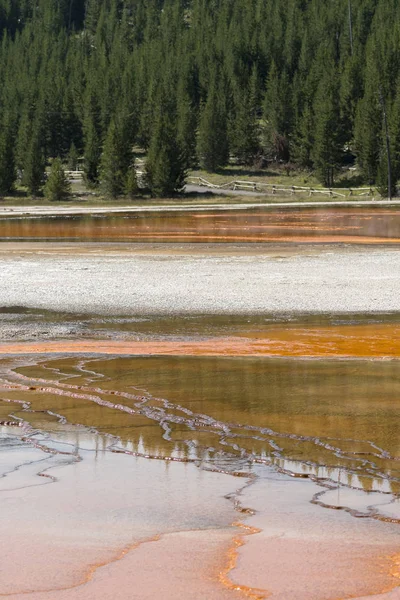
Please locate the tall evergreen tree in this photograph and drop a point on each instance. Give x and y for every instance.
(7, 159)
(244, 135)
(92, 151)
(327, 149)
(131, 188)
(57, 186)
(213, 144)
(35, 160)
(303, 139)
(166, 165)
(368, 135)
(187, 121)
(115, 161)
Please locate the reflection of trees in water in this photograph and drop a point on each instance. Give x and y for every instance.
(329, 421)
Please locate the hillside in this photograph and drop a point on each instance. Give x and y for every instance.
(198, 83)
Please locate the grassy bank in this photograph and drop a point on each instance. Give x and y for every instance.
(278, 175)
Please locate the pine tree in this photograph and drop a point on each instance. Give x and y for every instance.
(57, 186)
(73, 156)
(303, 139)
(278, 114)
(327, 149)
(244, 134)
(7, 160)
(395, 136)
(35, 161)
(93, 9)
(213, 144)
(187, 127)
(368, 135)
(131, 189)
(166, 165)
(382, 181)
(368, 123)
(115, 161)
(92, 151)
(24, 135)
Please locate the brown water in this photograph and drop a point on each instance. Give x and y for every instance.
(304, 416)
(346, 225)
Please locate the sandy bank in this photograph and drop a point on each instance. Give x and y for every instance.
(333, 280)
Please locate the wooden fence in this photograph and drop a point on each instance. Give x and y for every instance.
(259, 187)
(275, 189)
(74, 175)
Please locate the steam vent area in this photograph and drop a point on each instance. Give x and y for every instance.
(200, 404)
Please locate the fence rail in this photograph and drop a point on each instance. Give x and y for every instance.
(260, 187)
(75, 175)
(271, 188)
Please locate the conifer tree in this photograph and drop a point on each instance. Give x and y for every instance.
(368, 122)
(212, 144)
(277, 114)
(92, 10)
(187, 127)
(382, 176)
(114, 162)
(35, 161)
(395, 136)
(166, 165)
(92, 151)
(24, 133)
(73, 156)
(368, 135)
(327, 149)
(7, 160)
(131, 184)
(57, 186)
(303, 139)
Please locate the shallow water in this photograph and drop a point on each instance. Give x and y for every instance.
(316, 225)
(117, 450)
(329, 418)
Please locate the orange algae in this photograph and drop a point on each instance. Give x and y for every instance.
(288, 225)
(91, 570)
(358, 341)
(352, 341)
(232, 556)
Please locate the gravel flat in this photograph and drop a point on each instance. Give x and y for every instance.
(162, 282)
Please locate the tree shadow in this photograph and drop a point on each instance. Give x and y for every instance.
(15, 194)
(237, 173)
(352, 181)
(195, 195)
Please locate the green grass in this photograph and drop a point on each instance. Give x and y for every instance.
(81, 196)
(277, 175)
(273, 176)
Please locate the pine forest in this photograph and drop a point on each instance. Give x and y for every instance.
(310, 84)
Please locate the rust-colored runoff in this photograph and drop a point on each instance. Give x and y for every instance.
(342, 341)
